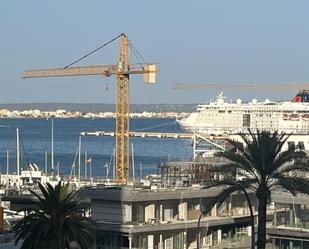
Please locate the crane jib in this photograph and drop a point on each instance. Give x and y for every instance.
(106, 70)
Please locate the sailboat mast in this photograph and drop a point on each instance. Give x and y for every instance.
(7, 168)
(17, 158)
(133, 166)
(17, 153)
(79, 155)
(52, 143)
(90, 170)
(46, 165)
(85, 165)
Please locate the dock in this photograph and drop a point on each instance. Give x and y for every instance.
(142, 134)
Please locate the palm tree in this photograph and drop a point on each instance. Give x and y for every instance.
(261, 166)
(55, 221)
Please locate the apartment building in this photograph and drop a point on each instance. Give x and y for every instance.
(165, 218)
(290, 227)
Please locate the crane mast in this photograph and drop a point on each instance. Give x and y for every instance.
(122, 148)
(122, 71)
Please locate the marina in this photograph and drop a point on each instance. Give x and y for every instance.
(35, 135)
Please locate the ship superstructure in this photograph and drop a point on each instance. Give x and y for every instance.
(222, 117)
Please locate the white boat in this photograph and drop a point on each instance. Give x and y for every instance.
(230, 118)
(221, 117)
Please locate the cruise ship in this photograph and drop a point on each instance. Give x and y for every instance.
(222, 117)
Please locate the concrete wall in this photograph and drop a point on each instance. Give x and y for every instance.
(110, 211)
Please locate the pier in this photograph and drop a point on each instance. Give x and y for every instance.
(142, 134)
(198, 140)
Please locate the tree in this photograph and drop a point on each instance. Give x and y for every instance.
(260, 164)
(55, 221)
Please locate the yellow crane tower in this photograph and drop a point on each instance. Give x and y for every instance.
(122, 70)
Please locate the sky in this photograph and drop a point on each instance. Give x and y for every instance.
(193, 42)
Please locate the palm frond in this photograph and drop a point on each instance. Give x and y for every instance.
(240, 149)
(292, 168)
(239, 161)
(228, 187)
(287, 157)
(54, 223)
(294, 184)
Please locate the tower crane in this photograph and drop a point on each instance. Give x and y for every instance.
(122, 70)
(244, 87)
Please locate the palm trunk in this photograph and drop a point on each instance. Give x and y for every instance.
(261, 240)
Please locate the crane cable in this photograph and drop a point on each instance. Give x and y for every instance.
(137, 52)
(90, 53)
(137, 55)
(149, 128)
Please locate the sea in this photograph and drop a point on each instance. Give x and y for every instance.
(35, 140)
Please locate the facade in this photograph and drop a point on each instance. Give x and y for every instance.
(290, 228)
(167, 218)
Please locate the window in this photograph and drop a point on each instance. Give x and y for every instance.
(143, 242)
(138, 213)
(169, 243)
(301, 145)
(246, 120)
(214, 237)
(291, 145)
(178, 241)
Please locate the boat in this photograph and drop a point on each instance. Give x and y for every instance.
(221, 117)
(27, 177)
